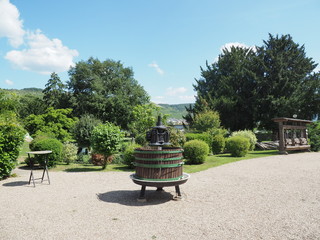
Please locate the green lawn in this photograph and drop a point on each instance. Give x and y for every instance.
(211, 161)
(217, 160)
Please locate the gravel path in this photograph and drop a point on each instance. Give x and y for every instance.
(275, 197)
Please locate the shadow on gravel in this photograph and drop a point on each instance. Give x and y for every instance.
(129, 198)
(15, 184)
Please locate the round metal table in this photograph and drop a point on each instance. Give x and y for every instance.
(45, 168)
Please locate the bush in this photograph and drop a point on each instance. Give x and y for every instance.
(128, 157)
(238, 146)
(196, 151)
(206, 137)
(249, 135)
(11, 139)
(51, 144)
(69, 153)
(314, 136)
(106, 140)
(218, 144)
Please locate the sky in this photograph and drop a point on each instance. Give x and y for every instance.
(165, 42)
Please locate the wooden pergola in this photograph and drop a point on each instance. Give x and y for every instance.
(292, 134)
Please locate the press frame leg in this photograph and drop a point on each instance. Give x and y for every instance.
(142, 197)
(178, 193)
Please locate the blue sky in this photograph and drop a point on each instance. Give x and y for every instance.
(164, 41)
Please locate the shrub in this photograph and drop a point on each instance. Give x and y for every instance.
(249, 135)
(314, 136)
(69, 153)
(218, 144)
(206, 137)
(11, 139)
(128, 157)
(51, 144)
(238, 146)
(196, 151)
(106, 140)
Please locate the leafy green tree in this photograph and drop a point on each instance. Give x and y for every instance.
(106, 90)
(143, 118)
(205, 121)
(55, 94)
(55, 122)
(9, 101)
(83, 129)
(106, 140)
(227, 86)
(31, 104)
(248, 88)
(286, 82)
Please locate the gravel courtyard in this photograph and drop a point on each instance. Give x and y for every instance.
(275, 197)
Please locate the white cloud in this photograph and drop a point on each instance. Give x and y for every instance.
(228, 46)
(188, 99)
(8, 82)
(175, 91)
(43, 55)
(156, 67)
(11, 26)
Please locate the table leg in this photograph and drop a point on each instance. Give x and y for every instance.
(31, 174)
(45, 170)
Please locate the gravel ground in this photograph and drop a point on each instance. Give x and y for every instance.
(275, 197)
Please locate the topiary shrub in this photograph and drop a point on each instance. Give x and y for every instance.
(249, 135)
(238, 146)
(195, 151)
(11, 139)
(218, 144)
(128, 157)
(69, 153)
(51, 144)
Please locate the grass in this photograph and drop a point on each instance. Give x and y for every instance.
(211, 161)
(217, 160)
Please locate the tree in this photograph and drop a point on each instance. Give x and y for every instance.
(227, 86)
(106, 90)
(83, 129)
(143, 118)
(56, 122)
(55, 94)
(9, 102)
(286, 82)
(205, 121)
(30, 104)
(248, 88)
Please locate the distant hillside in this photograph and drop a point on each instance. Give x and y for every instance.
(175, 110)
(28, 91)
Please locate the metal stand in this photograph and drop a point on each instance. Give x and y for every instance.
(159, 185)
